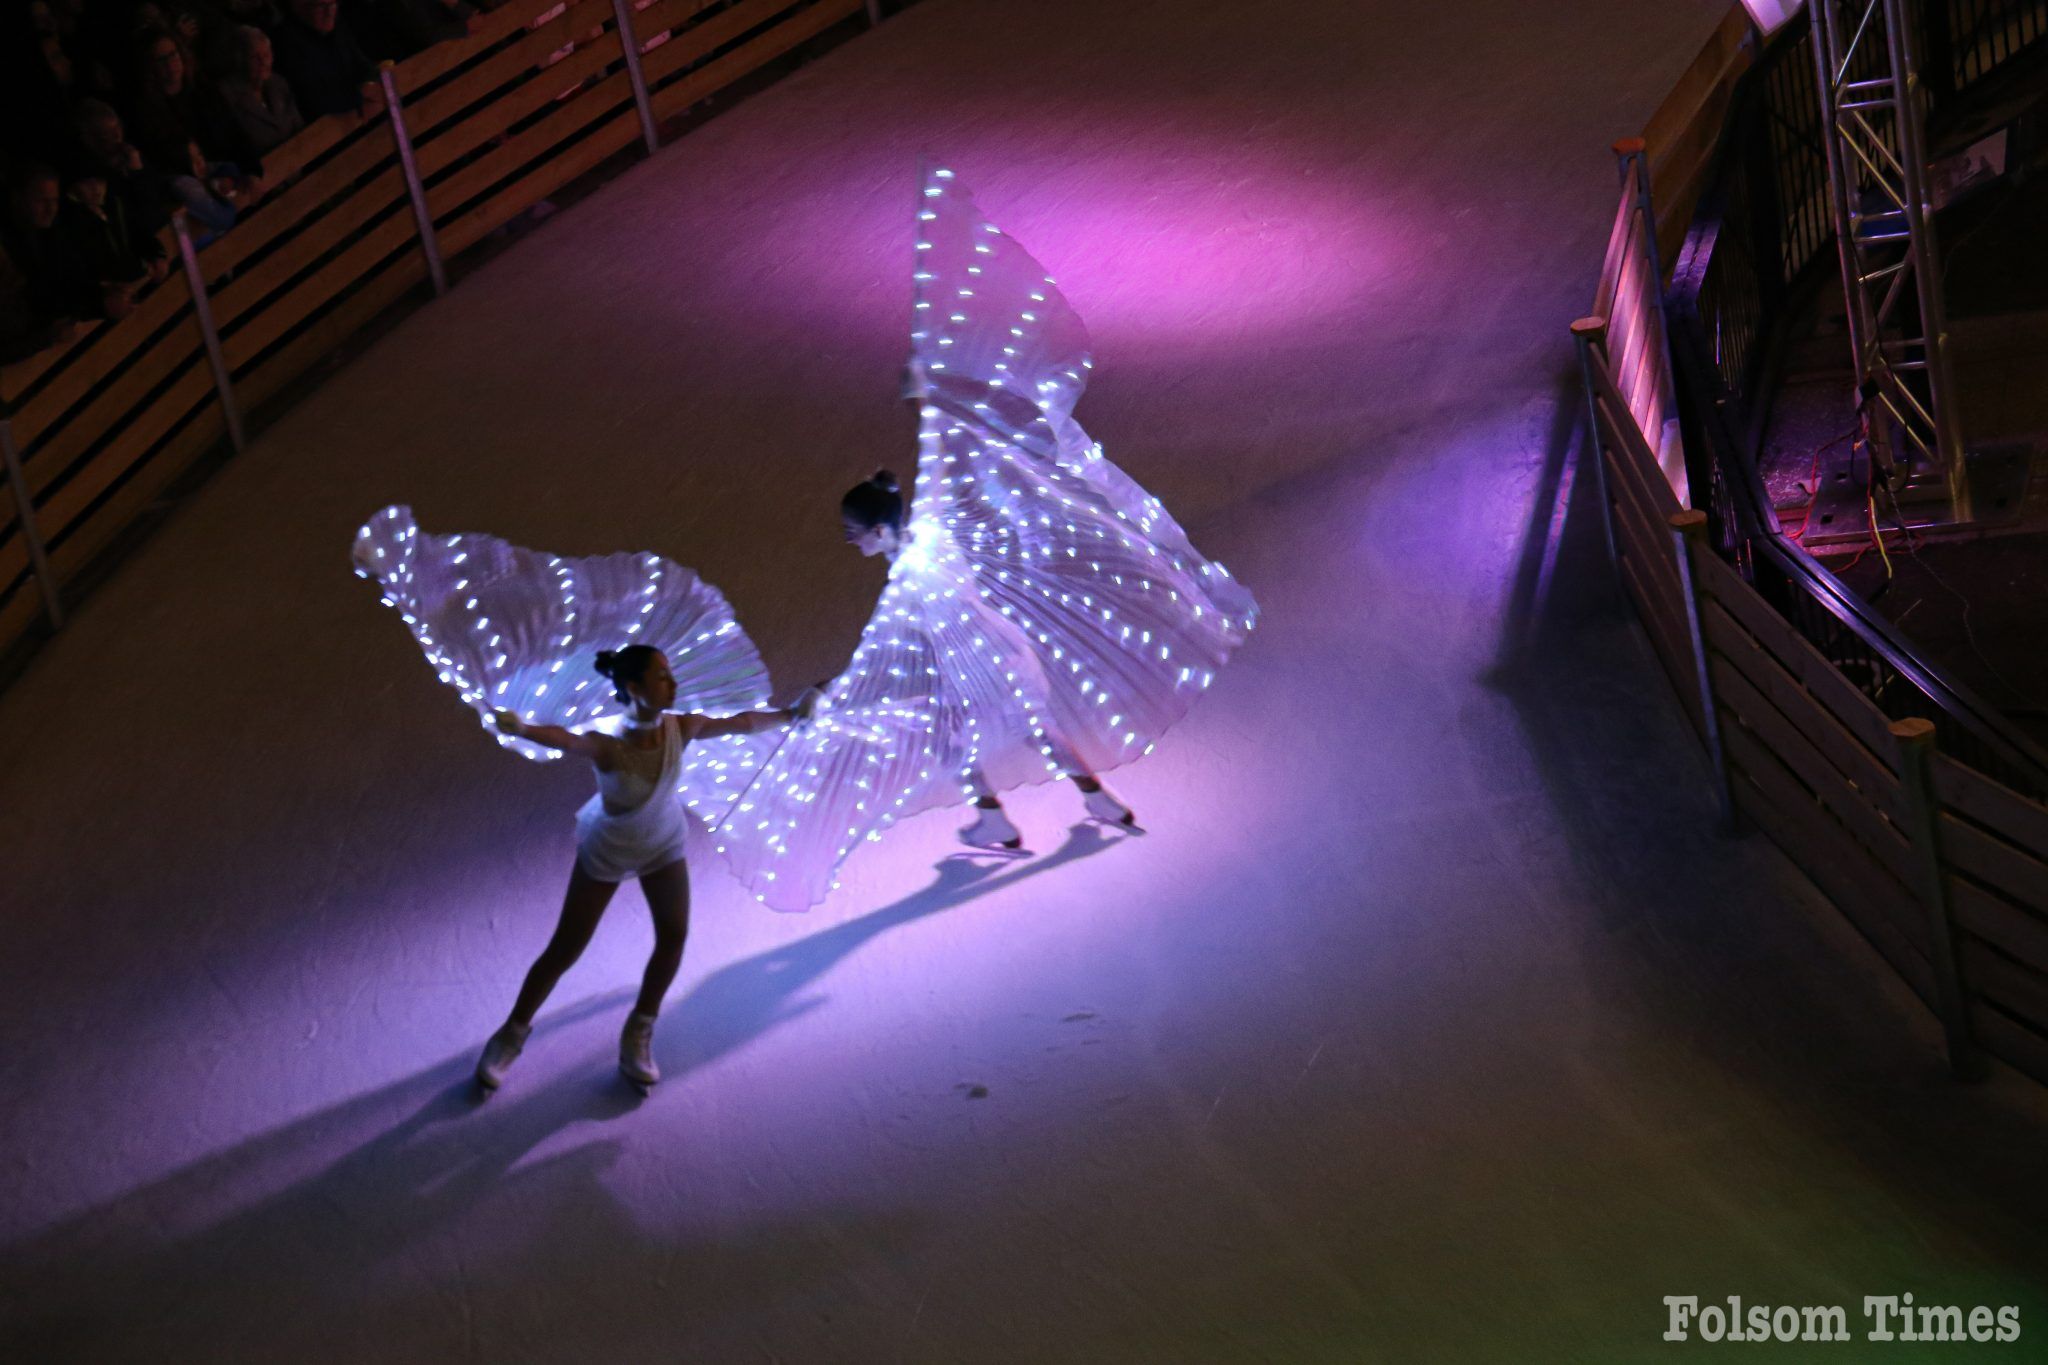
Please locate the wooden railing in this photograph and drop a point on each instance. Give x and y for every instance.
(1898, 793)
(460, 139)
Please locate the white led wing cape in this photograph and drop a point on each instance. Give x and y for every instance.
(519, 630)
(1044, 611)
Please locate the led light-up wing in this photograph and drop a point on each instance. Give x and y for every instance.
(1128, 622)
(519, 630)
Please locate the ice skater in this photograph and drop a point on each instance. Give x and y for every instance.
(633, 827)
(872, 515)
(1044, 616)
(513, 631)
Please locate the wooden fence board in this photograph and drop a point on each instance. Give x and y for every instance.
(1991, 804)
(1648, 537)
(115, 402)
(538, 183)
(1820, 726)
(666, 16)
(119, 512)
(312, 142)
(583, 24)
(18, 377)
(2015, 872)
(547, 88)
(1863, 891)
(363, 302)
(1675, 658)
(308, 200)
(1834, 691)
(19, 612)
(2013, 931)
(322, 234)
(424, 68)
(1642, 462)
(1789, 738)
(62, 508)
(678, 96)
(1768, 727)
(310, 294)
(119, 343)
(2013, 1043)
(1993, 976)
(13, 554)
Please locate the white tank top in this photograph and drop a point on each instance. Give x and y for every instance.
(627, 788)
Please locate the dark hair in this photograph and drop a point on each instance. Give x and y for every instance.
(874, 502)
(625, 666)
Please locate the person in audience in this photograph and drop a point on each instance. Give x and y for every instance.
(97, 225)
(214, 193)
(105, 151)
(165, 107)
(60, 289)
(320, 58)
(253, 96)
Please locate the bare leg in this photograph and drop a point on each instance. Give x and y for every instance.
(668, 898)
(582, 908)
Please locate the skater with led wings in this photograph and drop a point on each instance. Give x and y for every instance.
(516, 633)
(1043, 617)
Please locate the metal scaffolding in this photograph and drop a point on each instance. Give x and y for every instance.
(1871, 120)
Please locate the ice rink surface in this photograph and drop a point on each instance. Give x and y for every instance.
(1432, 1020)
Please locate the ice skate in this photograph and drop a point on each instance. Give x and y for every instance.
(636, 1052)
(991, 829)
(1103, 805)
(499, 1053)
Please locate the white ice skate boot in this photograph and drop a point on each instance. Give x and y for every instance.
(636, 1051)
(499, 1054)
(991, 829)
(1103, 805)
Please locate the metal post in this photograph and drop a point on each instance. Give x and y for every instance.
(629, 43)
(25, 513)
(1689, 538)
(1590, 333)
(1915, 740)
(422, 218)
(202, 310)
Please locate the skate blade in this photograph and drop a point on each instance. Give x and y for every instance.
(1129, 824)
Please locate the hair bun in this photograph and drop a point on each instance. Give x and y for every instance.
(884, 479)
(606, 661)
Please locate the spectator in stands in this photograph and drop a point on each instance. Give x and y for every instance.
(213, 193)
(106, 152)
(319, 57)
(171, 112)
(61, 290)
(254, 97)
(96, 224)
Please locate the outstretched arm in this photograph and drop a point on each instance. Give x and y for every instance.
(747, 722)
(553, 736)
